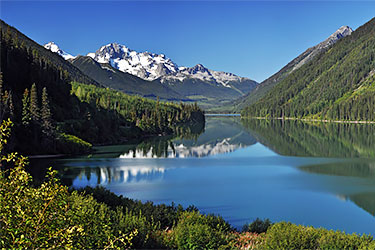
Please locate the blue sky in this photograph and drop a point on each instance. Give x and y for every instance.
(249, 38)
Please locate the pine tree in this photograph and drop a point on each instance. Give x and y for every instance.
(26, 116)
(46, 118)
(1, 97)
(11, 105)
(5, 104)
(34, 109)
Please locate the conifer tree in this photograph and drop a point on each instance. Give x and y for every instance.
(26, 116)
(1, 97)
(5, 104)
(46, 118)
(11, 105)
(34, 108)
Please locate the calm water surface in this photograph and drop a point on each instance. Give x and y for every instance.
(311, 174)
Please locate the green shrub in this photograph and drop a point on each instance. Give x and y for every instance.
(130, 221)
(258, 226)
(285, 235)
(165, 215)
(197, 231)
(31, 217)
(94, 218)
(71, 144)
(34, 217)
(338, 240)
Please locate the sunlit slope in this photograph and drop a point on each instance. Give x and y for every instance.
(337, 84)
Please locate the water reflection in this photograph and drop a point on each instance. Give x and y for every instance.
(319, 174)
(117, 175)
(353, 142)
(297, 138)
(362, 193)
(222, 135)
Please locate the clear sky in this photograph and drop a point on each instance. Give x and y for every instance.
(249, 38)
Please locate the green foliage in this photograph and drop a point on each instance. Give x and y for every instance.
(164, 215)
(34, 106)
(46, 116)
(196, 231)
(102, 226)
(31, 217)
(335, 85)
(285, 235)
(150, 116)
(258, 226)
(6, 102)
(26, 118)
(50, 217)
(72, 144)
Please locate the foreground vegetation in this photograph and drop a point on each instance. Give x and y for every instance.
(52, 216)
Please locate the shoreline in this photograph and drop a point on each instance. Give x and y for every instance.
(309, 120)
(40, 156)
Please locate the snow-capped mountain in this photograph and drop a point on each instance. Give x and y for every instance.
(150, 66)
(55, 48)
(202, 73)
(207, 87)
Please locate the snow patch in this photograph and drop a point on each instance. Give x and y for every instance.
(55, 48)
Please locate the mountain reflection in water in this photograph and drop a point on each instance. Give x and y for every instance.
(220, 136)
(118, 175)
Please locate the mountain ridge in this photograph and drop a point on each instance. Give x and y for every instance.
(262, 88)
(337, 84)
(207, 87)
(108, 76)
(151, 66)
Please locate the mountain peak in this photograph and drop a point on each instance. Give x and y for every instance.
(56, 49)
(52, 46)
(145, 65)
(343, 31)
(198, 68)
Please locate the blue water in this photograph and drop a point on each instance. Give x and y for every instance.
(228, 171)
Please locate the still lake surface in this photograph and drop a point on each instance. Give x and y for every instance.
(315, 174)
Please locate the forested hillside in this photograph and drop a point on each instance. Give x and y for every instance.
(50, 116)
(337, 84)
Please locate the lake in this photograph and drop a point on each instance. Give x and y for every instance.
(319, 174)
